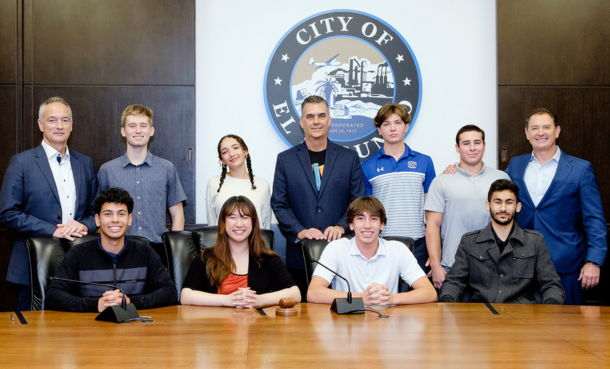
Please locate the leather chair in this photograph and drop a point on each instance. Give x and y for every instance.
(45, 254)
(181, 249)
(312, 250)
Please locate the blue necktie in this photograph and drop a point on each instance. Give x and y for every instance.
(316, 172)
(59, 159)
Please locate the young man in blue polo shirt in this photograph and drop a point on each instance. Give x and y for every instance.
(151, 181)
(400, 177)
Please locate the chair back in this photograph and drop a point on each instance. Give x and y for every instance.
(312, 250)
(45, 254)
(181, 251)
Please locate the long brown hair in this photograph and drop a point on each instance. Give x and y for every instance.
(244, 147)
(220, 262)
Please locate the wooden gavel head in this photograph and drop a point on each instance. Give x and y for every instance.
(287, 302)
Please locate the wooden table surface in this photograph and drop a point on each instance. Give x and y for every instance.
(430, 335)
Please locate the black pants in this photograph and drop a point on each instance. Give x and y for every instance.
(300, 279)
(420, 251)
(24, 298)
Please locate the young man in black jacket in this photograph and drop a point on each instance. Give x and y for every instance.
(111, 259)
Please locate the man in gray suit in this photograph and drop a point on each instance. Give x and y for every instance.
(503, 263)
(48, 190)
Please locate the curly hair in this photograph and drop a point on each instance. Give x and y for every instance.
(114, 195)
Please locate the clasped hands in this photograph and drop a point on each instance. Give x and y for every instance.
(243, 298)
(111, 298)
(70, 230)
(377, 294)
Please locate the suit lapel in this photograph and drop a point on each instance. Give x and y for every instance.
(43, 164)
(525, 195)
(494, 252)
(77, 172)
(329, 164)
(564, 167)
(303, 155)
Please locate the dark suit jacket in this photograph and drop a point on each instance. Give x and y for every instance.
(570, 215)
(29, 202)
(298, 205)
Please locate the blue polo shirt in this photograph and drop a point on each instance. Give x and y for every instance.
(400, 186)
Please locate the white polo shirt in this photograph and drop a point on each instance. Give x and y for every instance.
(393, 259)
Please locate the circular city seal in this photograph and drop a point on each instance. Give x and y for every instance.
(354, 60)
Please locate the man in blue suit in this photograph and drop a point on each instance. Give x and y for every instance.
(48, 190)
(562, 202)
(314, 184)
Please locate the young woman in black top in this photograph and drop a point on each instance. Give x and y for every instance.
(239, 271)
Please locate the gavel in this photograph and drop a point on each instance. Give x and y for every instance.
(286, 307)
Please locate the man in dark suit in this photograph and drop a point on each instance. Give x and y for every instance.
(561, 200)
(48, 190)
(314, 184)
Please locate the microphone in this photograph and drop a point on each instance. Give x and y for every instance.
(345, 306)
(115, 313)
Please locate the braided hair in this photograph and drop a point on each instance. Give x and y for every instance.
(222, 176)
(250, 174)
(244, 147)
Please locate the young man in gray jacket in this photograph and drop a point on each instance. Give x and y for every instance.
(503, 263)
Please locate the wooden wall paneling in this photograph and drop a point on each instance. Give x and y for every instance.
(31, 133)
(114, 42)
(97, 123)
(553, 42)
(28, 43)
(8, 118)
(8, 42)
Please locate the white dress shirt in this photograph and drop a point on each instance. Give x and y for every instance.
(538, 177)
(64, 181)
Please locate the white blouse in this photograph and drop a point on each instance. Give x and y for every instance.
(261, 197)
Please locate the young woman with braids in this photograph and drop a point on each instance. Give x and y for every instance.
(237, 179)
(238, 271)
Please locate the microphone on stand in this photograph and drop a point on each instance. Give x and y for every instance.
(115, 314)
(345, 306)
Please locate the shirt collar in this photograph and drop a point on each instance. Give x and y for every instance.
(404, 154)
(487, 234)
(353, 248)
(124, 160)
(467, 173)
(113, 256)
(555, 157)
(52, 153)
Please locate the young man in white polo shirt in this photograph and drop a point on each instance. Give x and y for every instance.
(371, 264)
